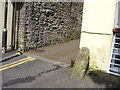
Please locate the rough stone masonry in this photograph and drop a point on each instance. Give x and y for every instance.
(44, 23)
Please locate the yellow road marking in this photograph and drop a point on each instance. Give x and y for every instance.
(31, 59)
(16, 62)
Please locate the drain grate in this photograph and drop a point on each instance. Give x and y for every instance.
(114, 66)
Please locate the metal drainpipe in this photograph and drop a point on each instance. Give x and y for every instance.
(4, 34)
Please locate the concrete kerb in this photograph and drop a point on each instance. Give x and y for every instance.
(9, 56)
(47, 60)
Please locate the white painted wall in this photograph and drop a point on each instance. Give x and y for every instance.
(9, 24)
(2, 5)
(97, 25)
(98, 16)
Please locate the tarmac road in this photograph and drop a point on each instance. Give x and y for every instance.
(25, 72)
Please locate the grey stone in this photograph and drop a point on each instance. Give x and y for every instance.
(47, 20)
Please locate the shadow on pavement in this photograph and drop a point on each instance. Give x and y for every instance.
(101, 80)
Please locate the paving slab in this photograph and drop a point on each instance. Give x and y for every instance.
(62, 52)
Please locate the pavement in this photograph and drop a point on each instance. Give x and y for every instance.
(40, 74)
(62, 52)
(43, 68)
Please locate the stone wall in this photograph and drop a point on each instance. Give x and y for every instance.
(48, 23)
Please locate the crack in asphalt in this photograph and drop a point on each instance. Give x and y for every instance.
(28, 79)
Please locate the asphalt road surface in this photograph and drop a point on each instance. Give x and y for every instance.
(27, 72)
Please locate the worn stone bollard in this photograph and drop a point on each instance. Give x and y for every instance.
(81, 64)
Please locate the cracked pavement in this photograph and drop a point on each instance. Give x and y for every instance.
(40, 74)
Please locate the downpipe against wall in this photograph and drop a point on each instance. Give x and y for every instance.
(4, 40)
(4, 34)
